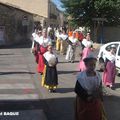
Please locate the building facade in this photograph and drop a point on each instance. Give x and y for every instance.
(19, 17)
(15, 25)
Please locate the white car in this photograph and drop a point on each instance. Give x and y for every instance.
(104, 50)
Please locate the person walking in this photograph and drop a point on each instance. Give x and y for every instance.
(88, 89)
(86, 51)
(35, 44)
(72, 41)
(58, 41)
(63, 46)
(50, 76)
(43, 44)
(110, 69)
(85, 40)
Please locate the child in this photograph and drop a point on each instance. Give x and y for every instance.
(89, 105)
(50, 77)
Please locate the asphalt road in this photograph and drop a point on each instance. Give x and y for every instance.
(20, 88)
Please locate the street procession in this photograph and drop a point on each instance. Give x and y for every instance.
(49, 43)
(59, 60)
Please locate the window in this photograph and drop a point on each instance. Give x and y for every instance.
(119, 52)
(108, 48)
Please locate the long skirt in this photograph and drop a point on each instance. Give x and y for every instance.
(58, 44)
(50, 77)
(89, 110)
(109, 74)
(41, 65)
(63, 46)
(70, 55)
(82, 66)
(85, 53)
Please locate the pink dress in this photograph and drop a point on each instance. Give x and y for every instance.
(85, 53)
(109, 74)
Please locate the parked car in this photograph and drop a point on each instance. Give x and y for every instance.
(104, 50)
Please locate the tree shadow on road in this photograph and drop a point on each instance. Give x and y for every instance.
(64, 90)
(112, 108)
(54, 108)
(76, 61)
(67, 72)
(7, 54)
(5, 73)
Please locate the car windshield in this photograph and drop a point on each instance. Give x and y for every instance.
(119, 52)
(108, 48)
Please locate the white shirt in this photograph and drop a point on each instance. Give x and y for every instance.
(110, 57)
(63, 36)
(89, 83)
(50, 57)
(44, 41)
(87, 43)
(73, 40)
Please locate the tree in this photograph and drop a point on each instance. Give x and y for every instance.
(82, 12)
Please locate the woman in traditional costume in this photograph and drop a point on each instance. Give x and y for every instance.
(110, 69)
(72, 41)
(85, 40)
(86, 51)
(88, 89)
(35, 45)
(58, 41)
(43, 44)
(50, 76)
(63, 47)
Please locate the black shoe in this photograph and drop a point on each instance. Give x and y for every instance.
(41, 73)
(54, 90)
(50, 90)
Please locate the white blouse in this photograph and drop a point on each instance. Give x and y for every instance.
(44, 41)
(89, 83)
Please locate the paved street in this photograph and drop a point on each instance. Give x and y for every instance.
(20, 89)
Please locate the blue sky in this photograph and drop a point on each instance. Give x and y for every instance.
(58, 3)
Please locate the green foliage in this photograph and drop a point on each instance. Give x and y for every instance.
(82, 12)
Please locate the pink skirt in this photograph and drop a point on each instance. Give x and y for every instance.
(109, 74)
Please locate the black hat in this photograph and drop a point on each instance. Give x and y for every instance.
(90, 57)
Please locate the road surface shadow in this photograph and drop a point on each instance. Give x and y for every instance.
(12, 105)
(7, 54)
(5, 73)
(55, 108)
(112, 108)
(76, 61)
(67, 72)
(26, 44)
(64, 90)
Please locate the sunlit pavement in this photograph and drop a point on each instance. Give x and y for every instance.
(21, 91)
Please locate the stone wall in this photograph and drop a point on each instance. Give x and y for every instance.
(12, 20)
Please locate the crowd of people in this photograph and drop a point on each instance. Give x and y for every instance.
(89, 100)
